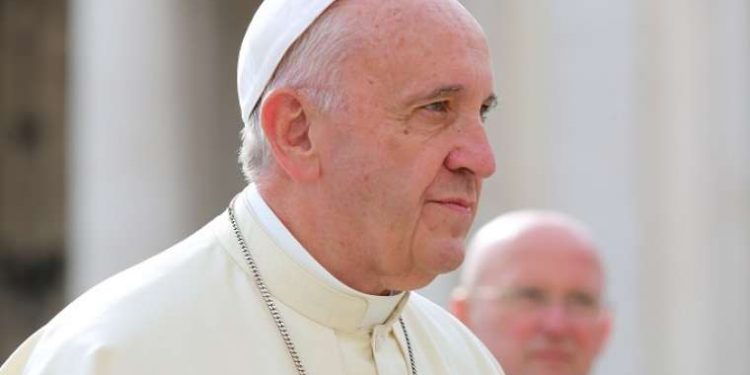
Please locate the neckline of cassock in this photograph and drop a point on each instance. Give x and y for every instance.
(297, 285)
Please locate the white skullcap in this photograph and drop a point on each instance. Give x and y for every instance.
(275, 27)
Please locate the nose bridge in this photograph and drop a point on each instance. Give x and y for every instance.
(473, 150)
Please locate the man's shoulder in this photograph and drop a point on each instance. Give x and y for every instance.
(431, 313)
(445, 334)
(170, 303)
(147, 291)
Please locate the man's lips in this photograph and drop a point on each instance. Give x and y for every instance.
(552, 356)
(456, 204)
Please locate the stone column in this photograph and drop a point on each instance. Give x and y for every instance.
(154, 126)
(695, 132)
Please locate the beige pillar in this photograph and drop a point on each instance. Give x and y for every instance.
(154, 126)
(696, 186)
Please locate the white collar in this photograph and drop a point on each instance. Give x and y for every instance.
(379, 307)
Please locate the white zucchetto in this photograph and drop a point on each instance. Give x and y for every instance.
(275, 27)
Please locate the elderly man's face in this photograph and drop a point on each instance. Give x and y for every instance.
(538, 308)
(406, 155)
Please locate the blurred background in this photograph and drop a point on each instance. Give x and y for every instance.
(119, 127)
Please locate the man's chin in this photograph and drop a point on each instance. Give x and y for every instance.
(552, 367)
(415, 280)
(444, 256)
(423, 276)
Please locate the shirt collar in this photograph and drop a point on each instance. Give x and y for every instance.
(295, 277)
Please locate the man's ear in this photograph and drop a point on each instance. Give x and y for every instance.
(604, 328)
(459, 305)
(286, 123)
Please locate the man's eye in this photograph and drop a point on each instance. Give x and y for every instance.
(581, 300)
(441, 106)
(527, 296)
(486, 108)
(531, 295)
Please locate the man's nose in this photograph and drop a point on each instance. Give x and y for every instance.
(473, 151)
(554, 319)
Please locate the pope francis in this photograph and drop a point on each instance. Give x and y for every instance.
(365, 151)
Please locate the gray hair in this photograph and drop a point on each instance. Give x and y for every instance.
(309, 64)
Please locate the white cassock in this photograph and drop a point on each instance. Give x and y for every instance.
(195, 309)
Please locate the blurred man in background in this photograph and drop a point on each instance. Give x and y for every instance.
(532, 289)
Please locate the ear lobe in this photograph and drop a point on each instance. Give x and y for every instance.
(459, 305)
(605, 329)
(286, 123)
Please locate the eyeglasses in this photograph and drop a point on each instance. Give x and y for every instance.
(577, 305)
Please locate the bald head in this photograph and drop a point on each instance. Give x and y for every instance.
(382, 19)
(531, 290)
(526, 231)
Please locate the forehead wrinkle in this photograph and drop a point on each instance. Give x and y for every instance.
(391, 31)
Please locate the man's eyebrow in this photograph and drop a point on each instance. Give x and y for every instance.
(491, 101)
(443, 91)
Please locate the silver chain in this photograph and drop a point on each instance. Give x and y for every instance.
(276, 314)
(408, 346)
